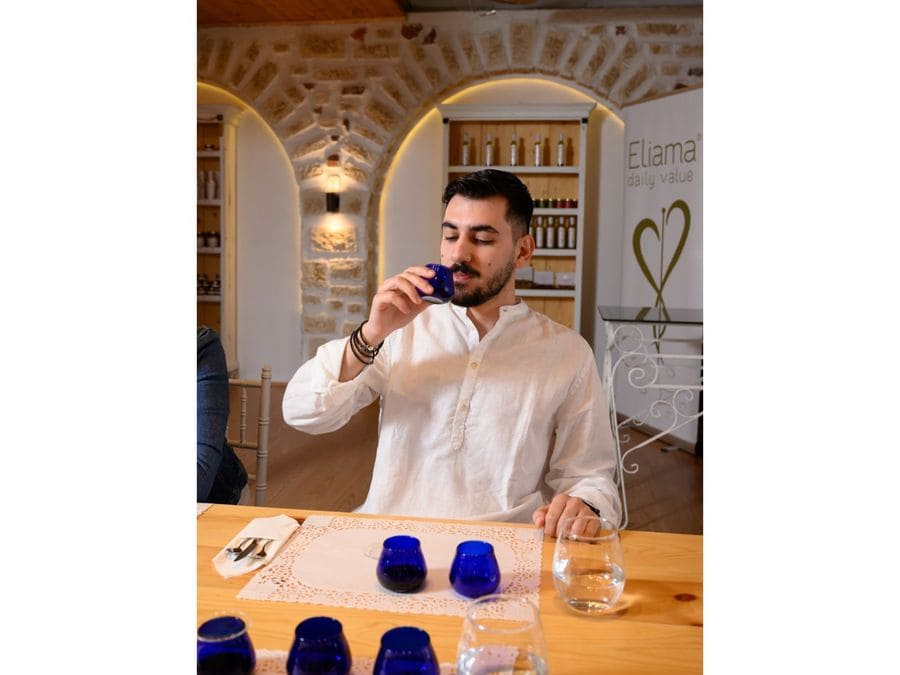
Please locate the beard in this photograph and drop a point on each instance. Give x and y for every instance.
(481, 294)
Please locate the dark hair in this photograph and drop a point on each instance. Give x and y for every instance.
(493, 182)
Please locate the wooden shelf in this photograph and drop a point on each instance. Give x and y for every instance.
(522, 124)
(209, 298)
(209, 202)
(545, 293)
(546, 211)
(574, 170)
(209, 153)
(555, 252)
(209, 250)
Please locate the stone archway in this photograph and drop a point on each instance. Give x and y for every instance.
(352, 92)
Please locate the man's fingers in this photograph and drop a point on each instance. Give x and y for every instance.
(554, 511)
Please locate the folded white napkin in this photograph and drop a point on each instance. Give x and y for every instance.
(277, 528)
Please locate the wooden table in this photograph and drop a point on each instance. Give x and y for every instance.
(659, 628)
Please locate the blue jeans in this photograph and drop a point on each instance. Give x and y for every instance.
(220, 474)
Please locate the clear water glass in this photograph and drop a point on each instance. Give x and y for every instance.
(319, 648)
(401, 567)
(502, 634)
(224, 647)
(406, 650)
(474, 571)
(588, 565)
(441, 282)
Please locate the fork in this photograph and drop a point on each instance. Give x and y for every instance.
(261, 553)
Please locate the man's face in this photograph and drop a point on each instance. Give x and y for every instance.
(477, 244)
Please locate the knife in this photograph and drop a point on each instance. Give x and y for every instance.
(245, 552)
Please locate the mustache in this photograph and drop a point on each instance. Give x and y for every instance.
(464, 268)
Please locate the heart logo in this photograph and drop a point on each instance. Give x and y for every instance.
(658, 284)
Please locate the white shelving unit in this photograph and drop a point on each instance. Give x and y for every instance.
(216, 125)
(577, 125)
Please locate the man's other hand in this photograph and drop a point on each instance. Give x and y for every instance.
(561, 506)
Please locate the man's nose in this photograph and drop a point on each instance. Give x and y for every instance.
(460, 251)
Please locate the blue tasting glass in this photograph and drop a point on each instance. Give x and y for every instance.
(401, 567)
(406, 651)
(474, 571)
(319, 648)
(224, 647)
(442, 282)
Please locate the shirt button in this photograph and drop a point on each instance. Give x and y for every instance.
(474, 365)
(464, 406)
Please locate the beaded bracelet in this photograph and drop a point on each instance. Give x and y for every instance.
(362, 350)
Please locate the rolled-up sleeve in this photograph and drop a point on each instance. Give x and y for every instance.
(316, 402)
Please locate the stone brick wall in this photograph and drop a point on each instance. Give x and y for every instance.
(350, 93)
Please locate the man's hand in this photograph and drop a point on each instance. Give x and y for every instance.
(394, 305)
(397, 303)
(561, 506)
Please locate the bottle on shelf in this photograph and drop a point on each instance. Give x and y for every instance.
(571, 233)
(561, 241)
(514, 151)
(210, 185)
(561, 152)
(550, 234)
(465, 150)
(537, 150)
(489, 151)
(201, 184)
(539, 232)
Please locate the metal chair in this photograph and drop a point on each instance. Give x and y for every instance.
(261, 444)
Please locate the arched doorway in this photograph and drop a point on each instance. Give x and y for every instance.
(267, 244)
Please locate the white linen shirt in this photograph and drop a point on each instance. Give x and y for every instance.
(486, 429)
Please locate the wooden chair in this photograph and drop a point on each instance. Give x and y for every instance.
(261, 444)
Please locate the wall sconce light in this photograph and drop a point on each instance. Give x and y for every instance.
(332, 198)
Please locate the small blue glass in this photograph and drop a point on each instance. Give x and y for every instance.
(475, 571)
(406, 651)
(224, 647)
(319, 648)
(441, 282)
(401, 567)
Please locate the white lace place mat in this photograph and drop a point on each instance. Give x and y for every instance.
(273, 661)
(331, 560)
(202, 507)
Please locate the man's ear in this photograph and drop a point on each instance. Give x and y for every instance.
(524, 249)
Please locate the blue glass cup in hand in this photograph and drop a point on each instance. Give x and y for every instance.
(401, 567)
(475, 571)
(319, 647)
(224, 647)
(441, 282)
(406, 651)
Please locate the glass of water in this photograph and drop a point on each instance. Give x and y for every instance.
(588, 566)
(502, 634)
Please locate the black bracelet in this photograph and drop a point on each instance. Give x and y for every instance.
(361, 349)
(368, 348)
(591, 507)
(360, 356)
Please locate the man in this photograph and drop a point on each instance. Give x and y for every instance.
(489, 410)
(221, 478)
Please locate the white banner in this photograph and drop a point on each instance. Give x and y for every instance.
(663, 243)
(662, 256)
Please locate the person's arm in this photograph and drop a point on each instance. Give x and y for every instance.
(330, 388)
(394, 305)
(582, 461)
(212, 410)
